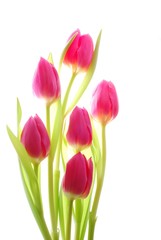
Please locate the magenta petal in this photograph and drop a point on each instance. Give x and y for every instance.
(85, 51)
(31, 138)
(46, 83)
(105, 102)
(75, 177)
(80, 53)
(71, 54)
(45, 141)
(79, 133)
(89, 166)
(35, 138)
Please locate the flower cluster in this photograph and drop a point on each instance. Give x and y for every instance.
(70, 142)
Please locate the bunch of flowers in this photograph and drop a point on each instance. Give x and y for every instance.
(75, 150)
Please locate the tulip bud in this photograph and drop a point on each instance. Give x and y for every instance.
(35, 138)
(46, 82)
(80, 52)
(79, 133)
(78, 177)
(105, 102)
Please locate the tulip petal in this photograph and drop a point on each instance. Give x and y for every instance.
(85, 51)
(31, 138)
(45, 141)
(78, 176)
(70, 40)
(79, 133)
(46, 82)
(88, 75)
(75, 178)
(35, 138)
(105, 102)
(71, 54)
(89, 168)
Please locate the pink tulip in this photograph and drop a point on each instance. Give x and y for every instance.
(78, 177)
(46, 82)
(105, 102)
(79, 133)
(35, 138)
(80, 52)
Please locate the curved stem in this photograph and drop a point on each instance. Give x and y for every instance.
(100, 179)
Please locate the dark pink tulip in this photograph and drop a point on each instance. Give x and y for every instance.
(35, 138)
(46, 82)
(105, 102)
(79, 133)
(79, 54)
(78, 176)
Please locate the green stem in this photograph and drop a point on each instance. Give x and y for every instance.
(69, 220)
(64, 104)
(78, 217)
(50, 183)
(65, 101)
(100, 179)
(36, 169)
(48, 118)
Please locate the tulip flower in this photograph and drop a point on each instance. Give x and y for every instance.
(105, 102)
(78, 177)
(79, 134)
(80, 52)
(46, 82)
(35, 138)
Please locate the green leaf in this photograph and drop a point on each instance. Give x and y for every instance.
(50, 58)
(85, 216)
(25, 158)
(38, 217)
(65, 50)
(27, 170)
(19, 112)
(88, 75)
(19, 116)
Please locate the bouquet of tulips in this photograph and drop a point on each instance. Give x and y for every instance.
(72, 142)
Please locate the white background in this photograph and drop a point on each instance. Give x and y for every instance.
(130, 56)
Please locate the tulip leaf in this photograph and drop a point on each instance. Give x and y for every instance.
(85, 216)
(38, 217)
(50, 58)
(65, 50)
(88, 75)
(26, 169)
(25, 159)
(19, 113)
